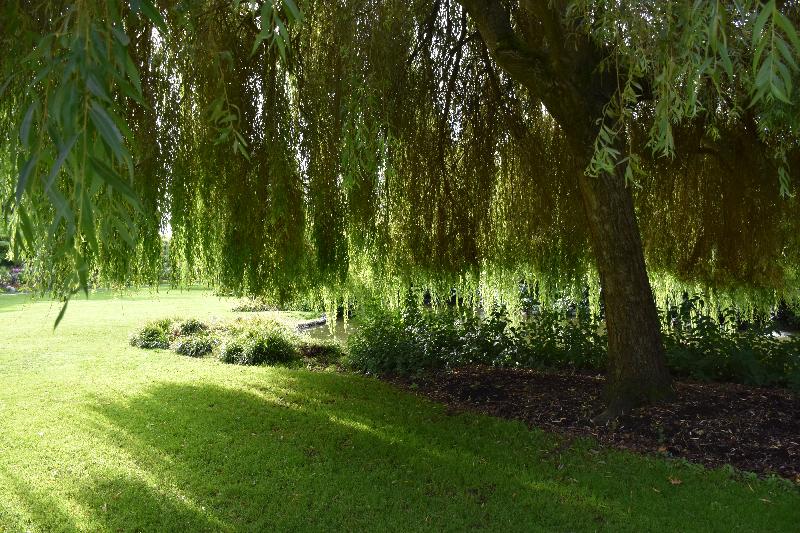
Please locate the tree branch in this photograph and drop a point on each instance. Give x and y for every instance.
(506, 47)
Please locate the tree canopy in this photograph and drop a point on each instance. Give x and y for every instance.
(365, 145)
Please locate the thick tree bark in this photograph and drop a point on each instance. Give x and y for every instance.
(637, 373)
(574, 89)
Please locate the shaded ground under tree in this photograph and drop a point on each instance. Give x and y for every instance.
(752, 429)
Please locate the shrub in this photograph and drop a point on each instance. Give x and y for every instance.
(258, 305)
(324, 353)
(191, 326)
(194, 346)
(386, 342)
(415, 341)
(253, 306)
(259, 342)
(153, 335)
(5, 247)
(705, 350)
(268, 347)
(232, 351)
(697, 347)
(549, 339)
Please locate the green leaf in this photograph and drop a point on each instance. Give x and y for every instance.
(727, 64)
(783, 180)
(121, 36)
(759, 43)
(24, 175)
(761, 21)
(292, 7)
(61, 314)
(63, 153)
(133, 74)
(153, 14)
(83, 275)
(122, 229)
(42, 74)
(26, 226)
(785, 24)
(96, 88)
(111, 178)
(278, 40)
(63, 211)
(266, 15)
(764, 73)
(87, 218)
(27, 121)
(266, 24)
(108, 130)
(5, 85)
(783, 48)
(282, 29)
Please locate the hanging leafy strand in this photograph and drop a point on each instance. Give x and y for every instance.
(356, 148)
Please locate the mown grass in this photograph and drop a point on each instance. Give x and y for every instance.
(96, 435)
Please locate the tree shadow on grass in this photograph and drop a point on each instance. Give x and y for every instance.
(298, 451)
(31, 505)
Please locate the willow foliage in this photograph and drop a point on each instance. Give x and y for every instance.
(363, 146)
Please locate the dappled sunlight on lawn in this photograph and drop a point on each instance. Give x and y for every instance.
(97, 435)
(257, 461)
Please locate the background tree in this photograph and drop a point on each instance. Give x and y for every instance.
(385, 143)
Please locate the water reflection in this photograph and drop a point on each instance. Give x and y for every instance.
(338, 331)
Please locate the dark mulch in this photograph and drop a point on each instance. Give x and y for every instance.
(750, 428)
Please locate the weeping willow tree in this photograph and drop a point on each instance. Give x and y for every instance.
(365, 146)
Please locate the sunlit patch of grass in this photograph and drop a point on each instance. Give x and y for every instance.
(98, 435)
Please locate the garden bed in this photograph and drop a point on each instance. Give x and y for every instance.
(752, 429)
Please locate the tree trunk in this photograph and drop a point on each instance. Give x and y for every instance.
(572, 85)
(637, 373)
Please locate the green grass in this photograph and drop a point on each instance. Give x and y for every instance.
(96, 435)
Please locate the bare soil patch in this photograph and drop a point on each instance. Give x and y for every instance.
(752, 429)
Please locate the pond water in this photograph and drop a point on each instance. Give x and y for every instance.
(339, 332)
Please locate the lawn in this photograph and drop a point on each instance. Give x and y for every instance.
(96, 435)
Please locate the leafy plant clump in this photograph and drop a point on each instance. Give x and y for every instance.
(260, 305)
(243, 342)
(703, 349)
(414, 342)
(195, 346)
(253, 306)
(322, 353)
(191, 326)
(153, 335)
(697, 346)
(257, 343)
(232, 351)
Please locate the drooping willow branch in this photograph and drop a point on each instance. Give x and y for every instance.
(377, 145)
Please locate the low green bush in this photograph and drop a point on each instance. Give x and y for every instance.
(705, 351)
(253, 306)
(244, 342)
(697, 346)
(259, 342)
(386, 342)
(194, 345)
(268, 347)
(152, 335)
(191, 326)
(417, 341)
(322, 353)
(232, 351)
(257, 305)
(5, 247)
